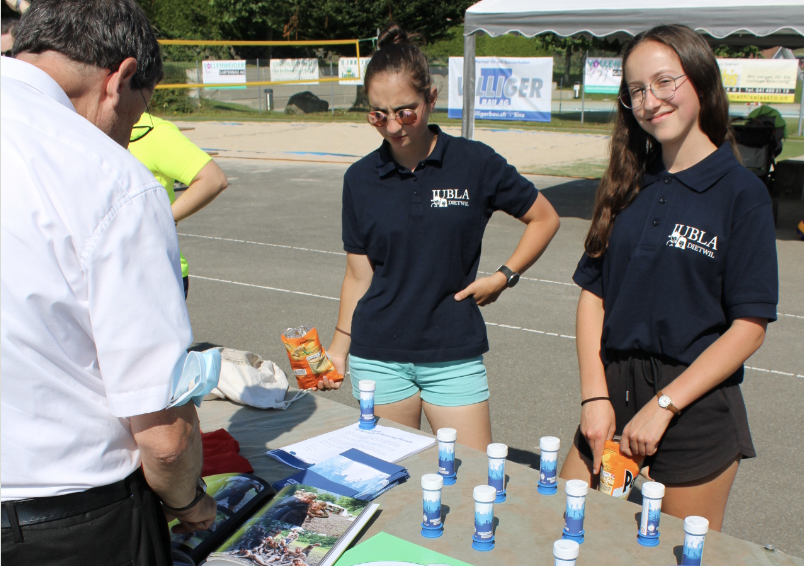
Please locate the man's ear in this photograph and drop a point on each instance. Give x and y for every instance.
(120, 80)
(433, 97)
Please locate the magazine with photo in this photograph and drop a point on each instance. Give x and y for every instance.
(353, 473)
(237, 496)
(303, 525)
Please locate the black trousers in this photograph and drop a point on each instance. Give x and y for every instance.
(130, 532)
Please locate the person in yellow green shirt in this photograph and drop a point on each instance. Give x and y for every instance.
(170, 156)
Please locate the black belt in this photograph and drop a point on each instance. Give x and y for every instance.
(44, 509)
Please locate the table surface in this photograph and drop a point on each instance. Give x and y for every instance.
(526, 524)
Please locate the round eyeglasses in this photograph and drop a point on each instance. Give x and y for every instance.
(663, 88)
(379, 119)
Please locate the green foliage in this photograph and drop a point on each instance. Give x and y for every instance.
(172, 101)
(352, 505)
(737, 52)
(329, 497)
(308, 537)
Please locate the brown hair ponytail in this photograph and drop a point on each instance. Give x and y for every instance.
(397, 52)
(633, 150)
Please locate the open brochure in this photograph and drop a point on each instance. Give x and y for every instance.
(383, 442)
(386, 550)
(237, 496)
(302, 526)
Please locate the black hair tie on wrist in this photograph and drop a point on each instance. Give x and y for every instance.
(594, 399)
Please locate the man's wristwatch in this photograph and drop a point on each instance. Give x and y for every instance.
(200, 492)
(512, 277)
(666, 403)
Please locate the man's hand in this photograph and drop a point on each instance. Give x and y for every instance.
(597, 426)
(199, 517)
(485, 290)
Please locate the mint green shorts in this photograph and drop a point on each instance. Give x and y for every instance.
(447, 384)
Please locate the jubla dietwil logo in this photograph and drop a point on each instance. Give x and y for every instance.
(689, 238)
(443, 198)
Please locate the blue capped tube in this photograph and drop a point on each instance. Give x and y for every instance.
(695, 529)
(548, 446)
(483, 538)
(652, 494)
(446, 454)
(367, 419)
(432, 527)
(576, 506)
(497, 453)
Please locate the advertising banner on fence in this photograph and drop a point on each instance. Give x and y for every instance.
(506, 88)
(295, 70)
(603, 74)
(759, 80)
(347, 69)
(229, 72)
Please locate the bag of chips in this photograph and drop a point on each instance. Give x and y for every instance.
(307, 356)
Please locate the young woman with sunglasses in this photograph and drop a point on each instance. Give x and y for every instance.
(414, 213)
(679, 281)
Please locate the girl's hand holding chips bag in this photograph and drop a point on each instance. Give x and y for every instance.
(308, 359)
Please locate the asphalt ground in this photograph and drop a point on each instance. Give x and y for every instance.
(267, 255)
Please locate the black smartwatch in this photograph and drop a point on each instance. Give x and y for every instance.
(200, 492)
(511, 276)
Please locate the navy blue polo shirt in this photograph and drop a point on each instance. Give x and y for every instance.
(422, 231)
(694, 251)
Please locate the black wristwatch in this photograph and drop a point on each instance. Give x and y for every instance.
(200, 492)
(511, 276)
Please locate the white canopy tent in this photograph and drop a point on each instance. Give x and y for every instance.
(765, 23)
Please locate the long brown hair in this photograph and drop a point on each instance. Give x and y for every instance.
(633, 150)
(397, 52)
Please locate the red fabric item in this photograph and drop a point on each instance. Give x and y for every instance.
(221, 454)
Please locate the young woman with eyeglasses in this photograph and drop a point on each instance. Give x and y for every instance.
(414, 213)
(679, 281)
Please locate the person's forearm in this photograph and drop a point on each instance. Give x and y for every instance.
(171, 452)
(352, 291)
(588, 332)
(535, 239)
(205, 187)
(718, 362)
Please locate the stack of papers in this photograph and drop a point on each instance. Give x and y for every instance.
(353, 474)
(383, 442)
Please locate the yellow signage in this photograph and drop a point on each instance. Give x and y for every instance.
(759, 80)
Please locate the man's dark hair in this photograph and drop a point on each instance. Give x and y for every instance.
(101, 33)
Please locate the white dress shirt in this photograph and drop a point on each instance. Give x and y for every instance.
(94, 322)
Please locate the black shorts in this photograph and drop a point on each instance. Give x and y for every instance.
(707, 435)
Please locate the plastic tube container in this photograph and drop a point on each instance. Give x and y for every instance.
(652, 494)
(695, 529)
(432, 527)
(367, 419)
(484, 496)
(576, 504)
(446, 454)
(549, 446)
(497, 454)
(566, 552)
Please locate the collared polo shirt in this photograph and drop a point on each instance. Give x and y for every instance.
(94, 322)
(422, 232)
(694, 251)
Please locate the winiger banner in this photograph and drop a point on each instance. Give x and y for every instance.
(506, 88)
(603, 75)
(295, 70)
(228, 72)
(759, 80)
(347, 70)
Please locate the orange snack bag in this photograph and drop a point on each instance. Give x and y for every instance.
(618, 472)
(307, 356)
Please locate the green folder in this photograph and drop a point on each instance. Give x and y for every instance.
(387, 550)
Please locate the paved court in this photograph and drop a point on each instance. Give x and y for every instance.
(267, 255)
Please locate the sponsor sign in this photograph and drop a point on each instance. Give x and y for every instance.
(295, 70)
(603, 75)
(348, 72)
(759, 80)
(506, 88)
(228, 72)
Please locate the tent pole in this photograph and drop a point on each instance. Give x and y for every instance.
(583, 84)
(468, 122)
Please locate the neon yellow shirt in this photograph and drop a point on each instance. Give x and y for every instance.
(170, 156)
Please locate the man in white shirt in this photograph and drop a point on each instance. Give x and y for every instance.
(94, 326)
